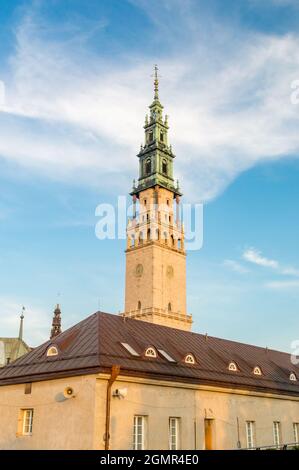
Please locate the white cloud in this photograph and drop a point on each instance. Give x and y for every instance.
(229, 106)
(2, 94)
(290, 271)
(282, 285)
(235, 266)
(254, 256)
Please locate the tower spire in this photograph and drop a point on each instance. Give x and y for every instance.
(156, 83)
(56, 322)
(21, 324)
(155, 255)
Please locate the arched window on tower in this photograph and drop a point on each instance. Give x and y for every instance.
(139, 305)
(148, 234)
(148, 166)
(150, 136)
(169, 307)
(161, 136)
(164, 167)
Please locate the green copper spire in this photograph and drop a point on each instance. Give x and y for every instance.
(156, 156)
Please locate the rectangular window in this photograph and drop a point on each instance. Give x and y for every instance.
(27, 422)
(139, 432)
(277, 433)
(296, 432)
(250, 434)
(174, 433)
(28, 388)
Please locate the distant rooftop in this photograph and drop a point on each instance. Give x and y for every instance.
(11, 349)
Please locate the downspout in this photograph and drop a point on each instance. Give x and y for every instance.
(238, 431)
(114, 373)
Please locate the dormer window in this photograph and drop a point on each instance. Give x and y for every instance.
(189, 359)
(52, 351)
(233, 367)
(293, 377)
(150, 352)
(257, 371)
(164, 167)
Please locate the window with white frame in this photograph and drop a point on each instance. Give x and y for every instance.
(27, 422)
(189, 359)
(257, 370)
(174, 433)
(52, 351)
(276, 433)
(150, 352)
(250, 434)
(296, 432)
(139, 430)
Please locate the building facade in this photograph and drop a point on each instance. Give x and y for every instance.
(142, 379)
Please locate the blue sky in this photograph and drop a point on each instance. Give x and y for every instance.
(74, 88)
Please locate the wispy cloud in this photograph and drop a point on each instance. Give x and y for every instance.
(235, 266)
(76, 114)
(254, 256)
(283, 285)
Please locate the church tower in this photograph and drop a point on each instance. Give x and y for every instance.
(155, 254)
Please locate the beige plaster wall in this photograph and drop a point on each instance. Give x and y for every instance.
(79, 423)
(56, 425)
(192, 405)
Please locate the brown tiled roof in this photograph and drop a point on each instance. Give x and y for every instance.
(94, 345)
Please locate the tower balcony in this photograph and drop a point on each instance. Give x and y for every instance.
(161, 316)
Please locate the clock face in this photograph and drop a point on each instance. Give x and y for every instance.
(169, 271)
(139, 270)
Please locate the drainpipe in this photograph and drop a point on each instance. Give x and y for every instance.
(238, 431)
(114, 373)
